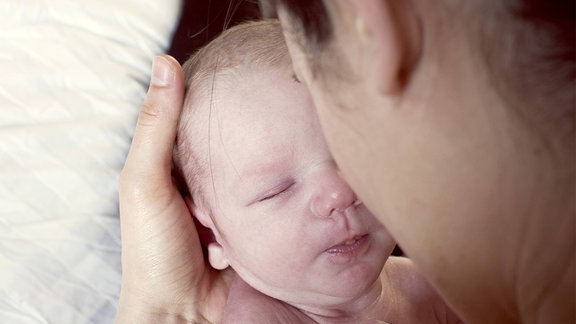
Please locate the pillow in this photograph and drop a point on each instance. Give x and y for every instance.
(74, 73)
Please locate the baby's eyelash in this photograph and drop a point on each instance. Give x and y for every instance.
(275, 193)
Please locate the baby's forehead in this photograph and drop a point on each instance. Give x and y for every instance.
(234, 90)
(239, 107)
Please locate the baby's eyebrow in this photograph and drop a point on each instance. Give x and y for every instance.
(278, 162)
(264, 168)
(256, 177)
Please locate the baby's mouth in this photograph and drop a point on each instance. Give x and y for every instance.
(349, 246)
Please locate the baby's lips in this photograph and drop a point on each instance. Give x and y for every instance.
(348, 245)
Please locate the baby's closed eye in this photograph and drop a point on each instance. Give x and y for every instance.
(277, 191)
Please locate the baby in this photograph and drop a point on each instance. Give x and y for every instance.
(252, 154)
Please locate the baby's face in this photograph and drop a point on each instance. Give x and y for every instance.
(288, 223)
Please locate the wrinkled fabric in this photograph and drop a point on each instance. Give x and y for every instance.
(73, 76)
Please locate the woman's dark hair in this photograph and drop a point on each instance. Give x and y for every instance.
(558, 15)
(310, 20)
(313, 26)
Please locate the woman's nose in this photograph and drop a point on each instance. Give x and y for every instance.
(333, 194)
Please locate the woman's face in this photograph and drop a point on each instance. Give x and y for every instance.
(460, 168)
(441, 161)
(287, 221)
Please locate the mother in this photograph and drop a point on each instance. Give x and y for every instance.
(454, 122)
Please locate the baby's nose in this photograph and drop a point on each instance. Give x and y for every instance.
(332, 195)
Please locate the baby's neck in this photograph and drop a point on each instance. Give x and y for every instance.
(400, 294)
(368, 305)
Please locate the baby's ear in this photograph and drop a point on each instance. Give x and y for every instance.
(217, 256)
(216, 252)
(199, 213)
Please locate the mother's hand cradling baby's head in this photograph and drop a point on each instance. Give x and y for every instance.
(164, 277)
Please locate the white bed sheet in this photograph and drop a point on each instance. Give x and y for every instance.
(73, 75)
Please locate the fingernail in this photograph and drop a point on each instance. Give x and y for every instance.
(162, 75)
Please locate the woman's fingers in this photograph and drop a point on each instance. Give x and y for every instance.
(146, 173)
(151, 151)
(163, 268)
(155, 222)
(145, 184)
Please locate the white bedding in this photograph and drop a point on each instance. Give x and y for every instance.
(72, 76)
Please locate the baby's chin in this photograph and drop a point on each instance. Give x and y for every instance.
(359, 266)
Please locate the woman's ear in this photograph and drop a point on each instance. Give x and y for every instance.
(216, 252)
(388, 31)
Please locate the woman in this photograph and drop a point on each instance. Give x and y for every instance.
(453, 121)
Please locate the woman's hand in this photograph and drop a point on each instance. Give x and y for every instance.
(165, 277)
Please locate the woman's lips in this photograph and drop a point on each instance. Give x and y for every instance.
(349, 247)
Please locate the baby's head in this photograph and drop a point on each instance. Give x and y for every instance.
(252, 45)
(251, 151)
